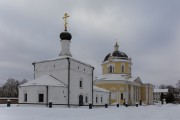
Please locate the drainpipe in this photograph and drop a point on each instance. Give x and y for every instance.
(148, 94)
(47, 95)
(34, 69)
(68, 82)
(92, 84)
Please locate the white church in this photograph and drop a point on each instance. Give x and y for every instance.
(63, 80)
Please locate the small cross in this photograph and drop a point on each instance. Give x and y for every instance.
(65, 20)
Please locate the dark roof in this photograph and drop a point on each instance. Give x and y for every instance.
(117, 54)
(65, 36)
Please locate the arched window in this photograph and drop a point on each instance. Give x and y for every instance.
(96, 99)
(122, 68)
(110, 69)
(122, 96)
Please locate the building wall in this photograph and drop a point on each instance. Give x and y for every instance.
(101, 98)
(55, 94)
(143, 93)
(120, 92)
(116, 89)
(131, 91)
(117, 67)
(147, 94)
(78, 72)
(56, 68)
(157, 96)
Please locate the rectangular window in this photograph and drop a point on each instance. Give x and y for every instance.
(101, 99)
(80, 83)
(96, 99)
(86, 99)
(25, 97)
(41, 97)
(121, 96)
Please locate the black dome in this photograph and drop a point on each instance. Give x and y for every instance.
(120, 54)
(117, 54)
(65, 36)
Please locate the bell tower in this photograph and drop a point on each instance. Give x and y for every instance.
(65, 39)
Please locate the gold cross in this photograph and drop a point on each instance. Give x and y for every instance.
(65, 20)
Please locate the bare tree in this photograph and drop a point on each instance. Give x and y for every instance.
(162, 86)
(10, 88)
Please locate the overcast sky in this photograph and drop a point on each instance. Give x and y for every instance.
(148, 31)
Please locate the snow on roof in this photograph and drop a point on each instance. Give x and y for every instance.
(98, 89)
(111, 77)
(45, 80)
(114, 77)
(65, 57)
(135, 79)
(161, 90)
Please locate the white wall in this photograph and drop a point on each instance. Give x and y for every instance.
(56, 68)
(104, 95)
(55, 94)
(58, 95)
(78, 71)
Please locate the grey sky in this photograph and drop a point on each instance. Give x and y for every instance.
(147, 31)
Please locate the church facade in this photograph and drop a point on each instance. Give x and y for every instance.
(68, 81)
(117, 78)
(63, 80)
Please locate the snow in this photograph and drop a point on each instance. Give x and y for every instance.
(45, 80)
(160, 90)
(111, 77)
(153, 112)
(98, 89)
(115, 77)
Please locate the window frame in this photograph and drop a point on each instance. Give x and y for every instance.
(122, 96)
(40, 97)
(81, 84)
(25, 97)
(96, 99)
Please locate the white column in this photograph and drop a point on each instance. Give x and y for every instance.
(117, 96)
(127, 93)
(132, 94)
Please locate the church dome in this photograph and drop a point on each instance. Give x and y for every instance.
(116, 54)
(65, 36)
(119, 54)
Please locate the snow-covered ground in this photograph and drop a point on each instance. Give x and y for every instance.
(154, 112)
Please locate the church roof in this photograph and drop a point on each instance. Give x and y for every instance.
(116, 54)
(65, 35)
(117, 77)
(110, 77)
(45, 80)
(98, 89)
(64, 57)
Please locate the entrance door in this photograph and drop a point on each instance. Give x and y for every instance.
(80, 100)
